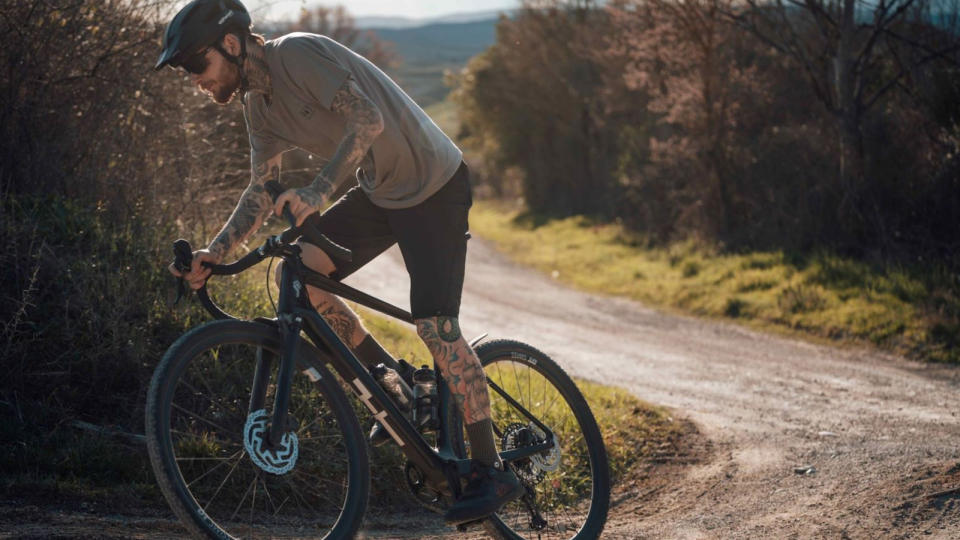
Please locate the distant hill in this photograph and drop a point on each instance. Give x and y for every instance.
(429, 50)
(373, 22)
(444, 42)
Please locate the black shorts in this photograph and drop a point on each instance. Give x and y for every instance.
(432, 237)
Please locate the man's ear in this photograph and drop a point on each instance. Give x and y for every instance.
(231, 44)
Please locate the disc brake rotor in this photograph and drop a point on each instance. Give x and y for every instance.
(275, 460)
(533, 468)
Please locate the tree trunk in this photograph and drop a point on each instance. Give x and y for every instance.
(848, 116)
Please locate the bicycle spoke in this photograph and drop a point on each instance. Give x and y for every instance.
(564, 497)
(240, 504)
(200, 418)
(199, 409)
(221, 464)
(517, 378)
(205, 459)
(331, 436)
(266, 491)
(315, 491)
(229, 474)
(253, 499)
(301, 502)
(556, 395)
(529, 392)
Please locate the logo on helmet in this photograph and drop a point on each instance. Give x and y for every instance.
(225, 17)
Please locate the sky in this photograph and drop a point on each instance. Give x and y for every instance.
(414, 9)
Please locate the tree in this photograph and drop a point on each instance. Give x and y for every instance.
(534, 101)
(852, 53)
(687, 58)
(338, 24)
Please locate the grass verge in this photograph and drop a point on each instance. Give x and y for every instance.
(910, 311)
(634, 432)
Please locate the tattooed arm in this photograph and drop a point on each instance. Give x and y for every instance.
(363, 124)
(254, 207)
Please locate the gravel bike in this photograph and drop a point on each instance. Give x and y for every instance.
(251, 432)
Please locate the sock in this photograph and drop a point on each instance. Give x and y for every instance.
(370, 353)
(482, 445)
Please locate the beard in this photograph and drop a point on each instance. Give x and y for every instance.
(228, 85)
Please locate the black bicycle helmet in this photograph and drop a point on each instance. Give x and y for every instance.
(201, 23)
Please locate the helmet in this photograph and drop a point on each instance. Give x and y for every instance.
(200, 24)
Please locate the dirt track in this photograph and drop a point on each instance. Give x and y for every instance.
(881, 433)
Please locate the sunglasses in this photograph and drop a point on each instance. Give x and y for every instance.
(197, 63)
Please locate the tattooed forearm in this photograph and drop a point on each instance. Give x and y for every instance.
(459, 364)
(254, 207)
(363, 124)
(317, 193)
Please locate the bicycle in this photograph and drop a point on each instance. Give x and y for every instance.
(229, 468)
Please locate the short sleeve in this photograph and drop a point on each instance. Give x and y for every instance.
(311, 67)
(263, 145)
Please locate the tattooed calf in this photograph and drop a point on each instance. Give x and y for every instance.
(448, 328)
(459, 365)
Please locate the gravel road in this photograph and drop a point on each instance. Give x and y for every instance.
(804, 440)
(795, 440)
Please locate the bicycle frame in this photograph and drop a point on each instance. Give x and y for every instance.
(440, 467)
(345, 363)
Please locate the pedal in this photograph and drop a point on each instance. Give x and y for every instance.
(464, 527)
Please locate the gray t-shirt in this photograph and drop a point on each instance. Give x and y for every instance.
(408, 162)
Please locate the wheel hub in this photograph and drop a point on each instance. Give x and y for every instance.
(278, 459)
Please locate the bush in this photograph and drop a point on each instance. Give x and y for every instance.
(99, 160)
(80, 336)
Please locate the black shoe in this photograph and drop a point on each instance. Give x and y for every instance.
(488, 489)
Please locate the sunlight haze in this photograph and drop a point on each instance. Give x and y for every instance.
(413, 9)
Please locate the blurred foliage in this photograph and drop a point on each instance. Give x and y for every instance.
(674, 119)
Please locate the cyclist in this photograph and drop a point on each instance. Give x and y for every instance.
(308, 91)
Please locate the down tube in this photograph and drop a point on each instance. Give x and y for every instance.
(349, 368)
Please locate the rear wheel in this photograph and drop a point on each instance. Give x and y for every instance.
(206, 451)
(568, 487)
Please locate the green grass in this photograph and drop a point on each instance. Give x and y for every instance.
(910, 311)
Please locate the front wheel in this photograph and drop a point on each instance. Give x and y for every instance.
(205, 442)
(568, 486)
